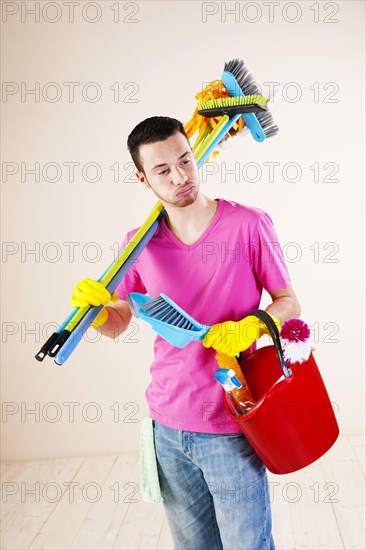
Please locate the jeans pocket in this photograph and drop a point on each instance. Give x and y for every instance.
(236, 434)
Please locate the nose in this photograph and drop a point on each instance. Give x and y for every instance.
(178, 176)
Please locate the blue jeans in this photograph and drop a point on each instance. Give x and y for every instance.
(215, 491)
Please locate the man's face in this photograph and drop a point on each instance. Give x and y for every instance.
(170, 169)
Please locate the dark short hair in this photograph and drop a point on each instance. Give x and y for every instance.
(150, 130)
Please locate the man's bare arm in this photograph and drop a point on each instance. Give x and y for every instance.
(285, 304)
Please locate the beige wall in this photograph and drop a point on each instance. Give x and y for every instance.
(170, 50)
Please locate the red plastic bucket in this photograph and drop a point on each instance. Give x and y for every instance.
(292, 423)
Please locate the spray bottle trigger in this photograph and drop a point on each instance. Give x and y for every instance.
(233, 378)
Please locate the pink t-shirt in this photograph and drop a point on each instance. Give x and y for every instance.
(218, 278)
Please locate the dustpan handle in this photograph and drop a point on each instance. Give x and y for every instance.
(273, 330)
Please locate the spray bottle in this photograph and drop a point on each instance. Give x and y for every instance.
(236, 394)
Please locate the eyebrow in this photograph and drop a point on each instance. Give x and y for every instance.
(165, 163)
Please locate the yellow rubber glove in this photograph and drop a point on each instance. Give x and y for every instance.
(231, 337)
(93, 293)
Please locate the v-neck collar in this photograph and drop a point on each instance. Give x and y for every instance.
(208, 229)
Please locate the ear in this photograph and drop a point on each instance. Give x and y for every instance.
(141, 177)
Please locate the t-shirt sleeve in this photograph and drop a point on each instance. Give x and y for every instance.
(131, 281)
(268, 262)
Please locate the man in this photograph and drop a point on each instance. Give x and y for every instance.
(213, 258)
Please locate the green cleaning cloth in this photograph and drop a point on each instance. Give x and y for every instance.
(149, 478)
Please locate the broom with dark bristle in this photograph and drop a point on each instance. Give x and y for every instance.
(239, 82)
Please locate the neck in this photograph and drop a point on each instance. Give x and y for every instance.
(190, 221)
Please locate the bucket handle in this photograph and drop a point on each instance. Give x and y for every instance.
(273, 330)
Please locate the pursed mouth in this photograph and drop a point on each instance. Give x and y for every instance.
(185, 190)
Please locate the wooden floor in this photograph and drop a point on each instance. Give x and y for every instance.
(94, 503)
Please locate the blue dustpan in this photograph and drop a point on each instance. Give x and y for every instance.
(167, 318)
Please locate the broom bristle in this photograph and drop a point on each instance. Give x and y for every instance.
(159, 309)
(247, 85)
(232, 101)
